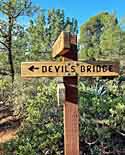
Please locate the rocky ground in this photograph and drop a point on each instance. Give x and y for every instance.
(8, 123)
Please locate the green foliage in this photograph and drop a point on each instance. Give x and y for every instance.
(102, 102)
(17, 7)
(102, 116)
(102, 122)
(42, 131)
(44, 30)
(100, 36)
(11, 10)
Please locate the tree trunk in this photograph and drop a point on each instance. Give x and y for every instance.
(10, 57)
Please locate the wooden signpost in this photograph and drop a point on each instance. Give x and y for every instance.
(63, 44)
(69, 68)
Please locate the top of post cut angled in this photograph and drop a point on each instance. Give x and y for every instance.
(63, 43)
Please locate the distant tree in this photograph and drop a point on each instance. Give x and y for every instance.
(44, 30)
(99, 36)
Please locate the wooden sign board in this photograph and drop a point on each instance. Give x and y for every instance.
(63, 43)
(69, 68)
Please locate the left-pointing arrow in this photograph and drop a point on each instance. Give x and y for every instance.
(33, 68)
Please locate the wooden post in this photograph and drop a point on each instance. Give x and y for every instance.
(71, 113)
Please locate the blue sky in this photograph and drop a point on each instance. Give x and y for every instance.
(84, 9)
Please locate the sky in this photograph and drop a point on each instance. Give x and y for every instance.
(82, 10)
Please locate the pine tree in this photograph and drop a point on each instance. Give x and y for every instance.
(12, 10)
